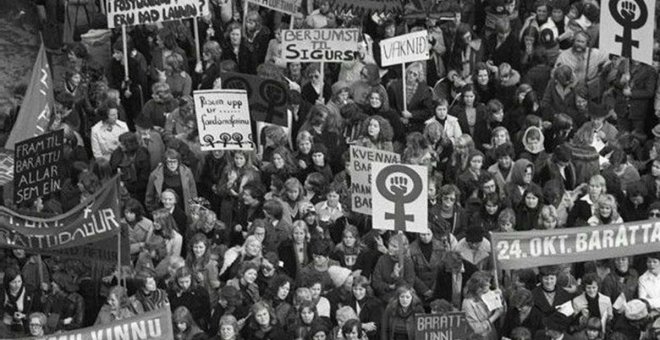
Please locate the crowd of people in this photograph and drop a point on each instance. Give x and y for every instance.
(523, 123)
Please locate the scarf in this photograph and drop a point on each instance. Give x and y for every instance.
(153, 300)
(592, 305)
(14, 303)
(427, 250)
(411, 88)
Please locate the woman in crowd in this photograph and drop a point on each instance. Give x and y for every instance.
(399, 315)
(117, 307)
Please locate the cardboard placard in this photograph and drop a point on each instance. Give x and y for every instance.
(405, 48)
(140, 12)
(223, 120)
(447, 326)
(38, 166)
(290, 7)
(320, 45)
(400, 192)
(360, 169)
(626, 29)
(268, 98)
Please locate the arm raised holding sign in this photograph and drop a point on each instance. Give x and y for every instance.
(418, 105)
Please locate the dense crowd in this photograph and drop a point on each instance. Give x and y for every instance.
(523, 123)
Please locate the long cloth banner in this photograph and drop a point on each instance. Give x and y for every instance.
(524, 249)
(92, 222)
(155, 325)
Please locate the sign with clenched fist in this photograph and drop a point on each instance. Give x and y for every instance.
(400, 197)
(626, 29)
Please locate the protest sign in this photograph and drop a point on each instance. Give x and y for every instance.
(446, 326)
(268, 98)
(285, 6)
(366, 7)
(360, 170)
(626, 29)
(401, 194)
(140, 12)
(405, 48)
(320, 45)
(223, 120)
(525, 249)
(154, 325)
(95, 219)
(37, 166)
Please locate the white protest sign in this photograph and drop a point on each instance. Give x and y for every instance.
(626, 29)
(400, 192)
(285, 6)
(320, 45)
(139, 12)
(223, 120)
(405, 48)
(360, 170)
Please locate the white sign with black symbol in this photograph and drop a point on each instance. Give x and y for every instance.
(400, 197)
(223, 120)
(626, 29)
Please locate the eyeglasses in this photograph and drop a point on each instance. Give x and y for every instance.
(654, 214)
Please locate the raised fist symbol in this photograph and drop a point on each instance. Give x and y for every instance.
(399, 185)
(628, 9)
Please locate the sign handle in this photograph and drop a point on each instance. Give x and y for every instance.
(245, 11)
(119, 257)
(124, 46)
(40, 268)
(495, 271)
(196, 29)
(403, 86)
(291, 22)
(322, 80)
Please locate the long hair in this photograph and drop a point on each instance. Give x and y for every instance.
(191, 260)
(166, 222)
(289, 162)
(386, 133)
(461, 158)
(290, 185)
(405, 288)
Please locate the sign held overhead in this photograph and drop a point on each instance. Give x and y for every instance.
(405, 48)
(320, 45)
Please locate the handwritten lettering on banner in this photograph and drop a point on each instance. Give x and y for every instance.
(154, 325)
(405, 48)
(524, 249)
(316, 45)
(37, 166)
(285, 6)
(139, 12)
(446, 326)
(223, 120)
(360, 169)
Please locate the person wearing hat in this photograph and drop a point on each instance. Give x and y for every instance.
(649, 282)
(548, 296)
(559, 167)
(64, 306)
(475, 249)
(605, 131)
(321, 249)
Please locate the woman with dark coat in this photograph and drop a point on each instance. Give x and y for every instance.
(522, 313)
(65, 302)
(263, 324)
(185, 293)
(375, 106)
(528, 210)
(472, 116)
(454, 273)
(419, 98)
(484, 83)
(17, 301)
(368, 307)
(238, 51)
(211, 57)
(399, 315)
(132, 162)
(548, 295)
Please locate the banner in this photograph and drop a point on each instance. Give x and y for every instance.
(268, 98)
(405, 48)
(360, 170)
(366, 7)
(38, 166)
(290, 7)
(525, 249)
(320, 45)
(140, 12)
(626, 29)
(34, 116)
(223, 120)
(154, 325)
(95, 219)
(400, 192)
(446, 326)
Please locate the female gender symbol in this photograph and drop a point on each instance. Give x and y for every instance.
(396, 192)
(625, 17)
